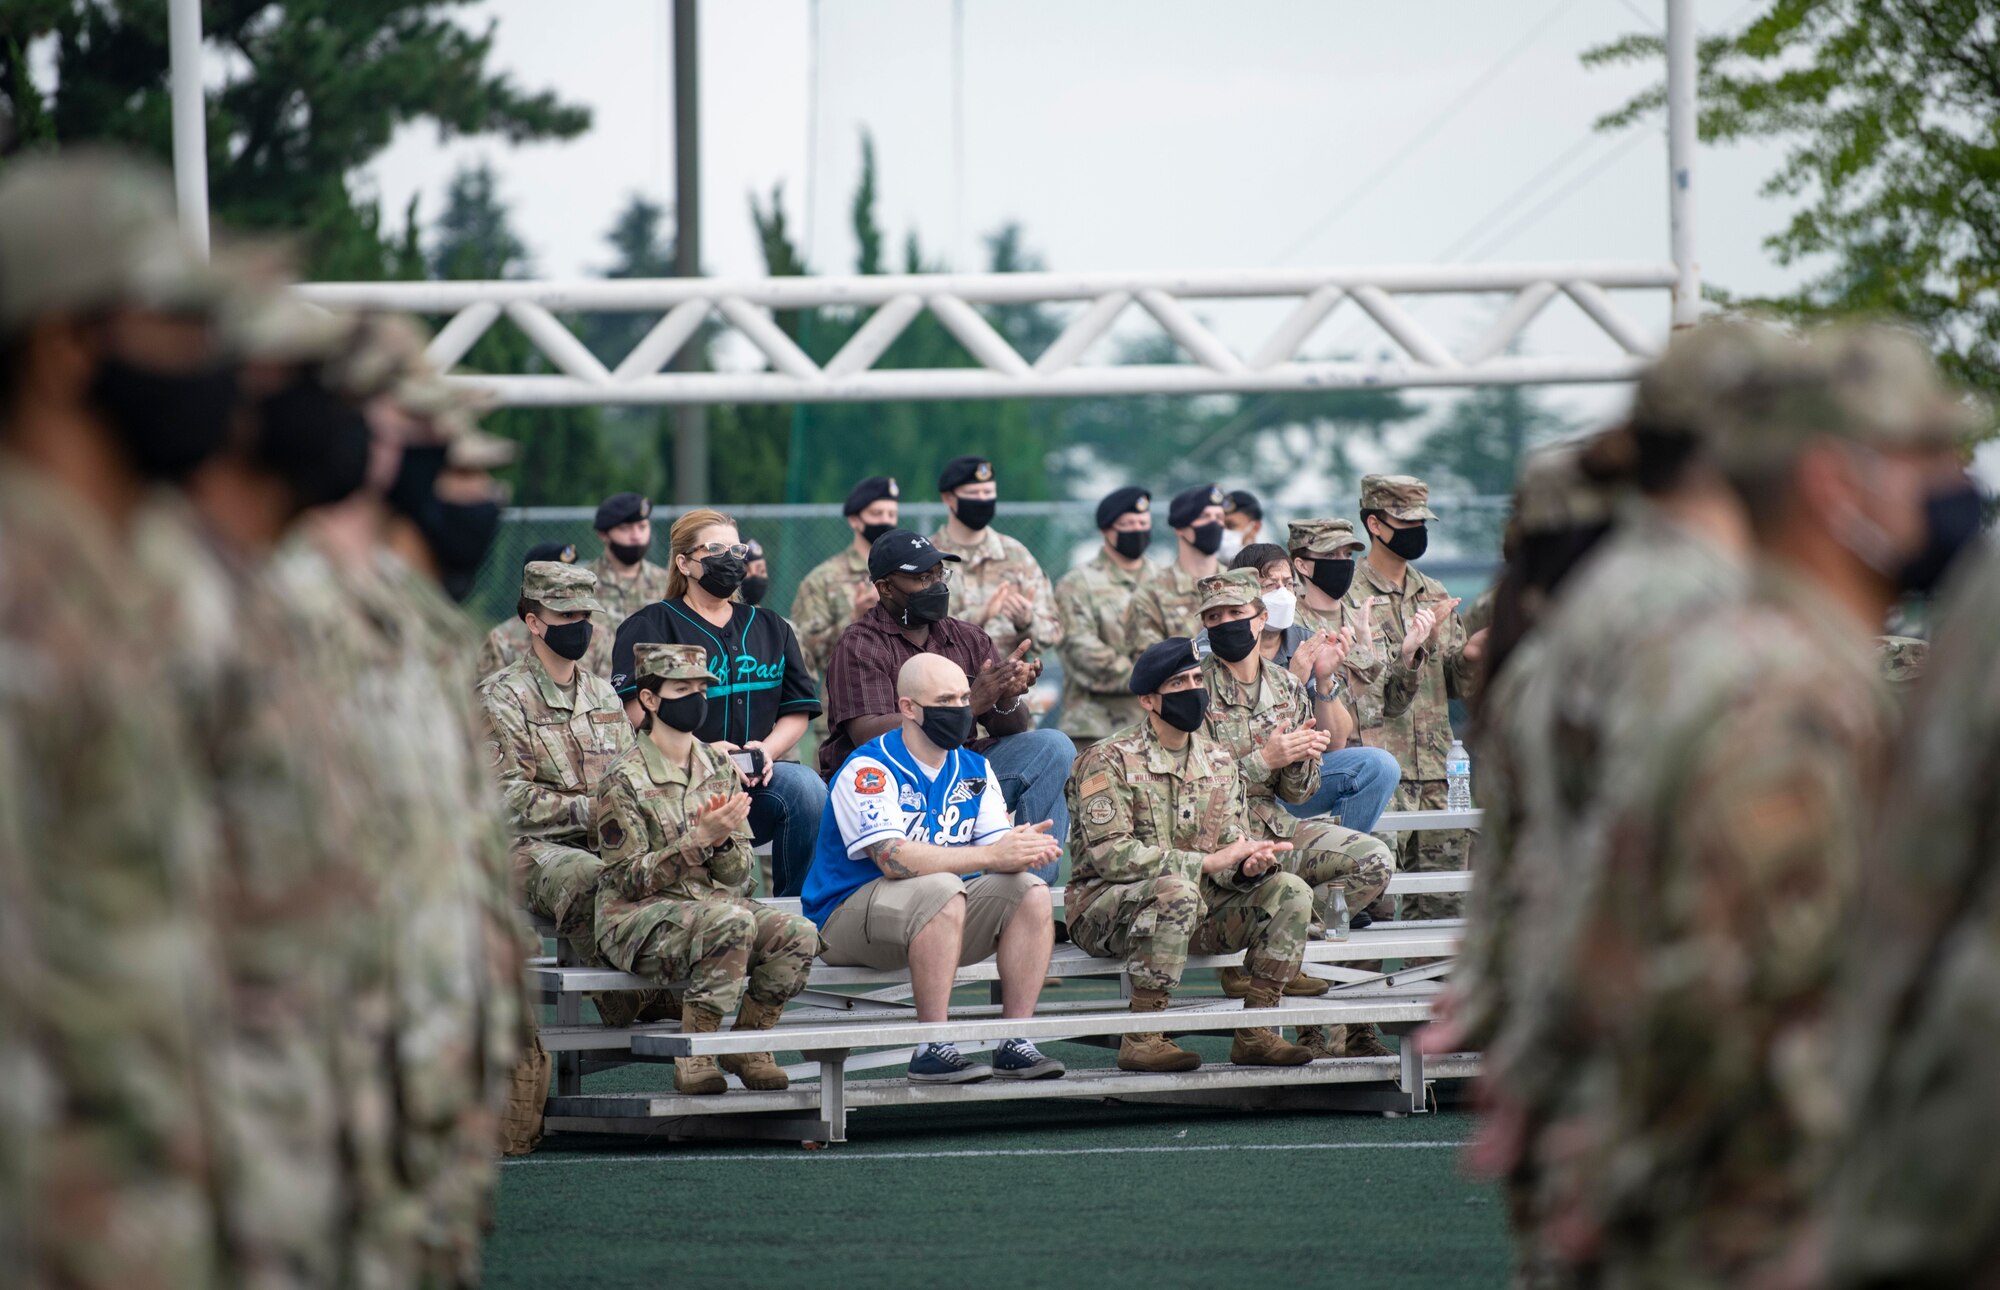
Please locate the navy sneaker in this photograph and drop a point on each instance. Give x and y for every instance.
(944, 1064)
(1019, 1059)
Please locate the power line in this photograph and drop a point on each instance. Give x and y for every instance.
(1560, 195)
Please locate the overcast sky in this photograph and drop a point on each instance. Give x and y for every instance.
(1130, 135)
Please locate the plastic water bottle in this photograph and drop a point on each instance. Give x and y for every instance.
(1337, 920)
(1458, 778)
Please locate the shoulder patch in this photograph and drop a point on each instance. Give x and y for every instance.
(1099, 810)
(1095, 784)
(869, 779)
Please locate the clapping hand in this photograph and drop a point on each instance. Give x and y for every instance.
(719, 817)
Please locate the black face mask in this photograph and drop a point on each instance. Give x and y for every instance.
(872, 533)
(1207, 538)
(721, 575)
(1408, 543)
(629, 553)
(947, 728)
(1951, 523)
(568, 640)
(1232, 641)
(1132, 543)
(459, 534)
(168, 422)
(685, 713)
(754, 588)
(976, 512)
(314, 440)
(927, 606)
(1332, 576)
(1184, 709)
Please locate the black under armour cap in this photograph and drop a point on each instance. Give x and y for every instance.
(901, 551)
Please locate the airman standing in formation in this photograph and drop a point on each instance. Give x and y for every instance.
(839, 591)
(626, 580)
(1166, 606)
(1092, 600)
(1000, 586)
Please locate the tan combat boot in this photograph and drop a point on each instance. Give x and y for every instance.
(1362, 1041)
(1152, 1051)
(1323, 1041)
(698, 1075)
(1236, 983)
(757, 1070)
(1261, 1047)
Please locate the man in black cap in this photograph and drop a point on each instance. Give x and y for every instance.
(1242, 523)
(1091, 600)
(1000, 587)
(509, 640)
(626, 580)
(839, 591)
(913, 616)
(1166, 607)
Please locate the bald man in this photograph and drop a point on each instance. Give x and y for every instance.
(918, 866)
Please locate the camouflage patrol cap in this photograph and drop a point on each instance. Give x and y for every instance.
(565, 588)
(277, 326)
(1400, 497)
(1553, 493)
(388, 351)
(1867, 384)
(1315, 538)
(654, 661)
(1222, 590)
(467, 447)
(90, 228)
(1680, 393)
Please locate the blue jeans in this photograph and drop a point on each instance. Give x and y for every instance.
(786, 814)
(1033, 767)
(1355, 784)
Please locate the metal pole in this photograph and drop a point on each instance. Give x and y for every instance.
(190, 115)
(690, 420)
(1682, 73)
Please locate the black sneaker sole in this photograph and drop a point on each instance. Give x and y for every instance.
(972, 1076)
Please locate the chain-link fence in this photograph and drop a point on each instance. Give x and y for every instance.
(798, 536)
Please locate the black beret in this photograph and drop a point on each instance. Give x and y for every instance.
(868, 492)
(1244, 502)
(960, 471)
(621, 508)
(1160, 664)
(1125, 501)
(1187, 506)
(560, 552)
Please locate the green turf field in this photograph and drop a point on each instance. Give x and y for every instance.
(1019, 1193)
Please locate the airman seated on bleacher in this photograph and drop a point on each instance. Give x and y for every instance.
(673, 901)
(1261, 713)
(919, 866)
(1167, 863)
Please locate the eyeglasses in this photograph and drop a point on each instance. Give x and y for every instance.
(739, 550)
(939, 572)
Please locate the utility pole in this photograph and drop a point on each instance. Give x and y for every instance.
(190, 119)
(690, 419)
(1683, 74)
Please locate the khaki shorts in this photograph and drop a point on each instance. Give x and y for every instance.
(874, 927)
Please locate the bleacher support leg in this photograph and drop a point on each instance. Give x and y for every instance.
(833, 1092)
(569, 1066)
(1412, 1082)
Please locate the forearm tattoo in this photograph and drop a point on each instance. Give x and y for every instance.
(885, 853)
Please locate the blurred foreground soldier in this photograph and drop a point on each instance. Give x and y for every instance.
(839, 591)
(1242, 523)
(626, 580)
(111, 381)
(1429, 662)
(1165, 606)
(1913, 1193)
(1259, 713)
(509, 640)
(1000, 586)
(1092, 599)
(1706, 958)
(1902, 659)
(1167, 864)
(434, 1046)
(555, 727)
(673, 903)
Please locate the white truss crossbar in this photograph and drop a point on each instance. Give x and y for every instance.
(747, 306)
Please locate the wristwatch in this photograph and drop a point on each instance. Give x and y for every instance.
(1312, 690)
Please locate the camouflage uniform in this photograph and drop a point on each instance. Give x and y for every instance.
(1092, 599)
(1903, 659)
(1163, 607)
(989, 561)
(1362, 671)
(620, 598)
(824, 605)
(1408, 711)
(1142, 819)
(550, 746)
(1241, 718)
(1910, 1199)
(670, 910)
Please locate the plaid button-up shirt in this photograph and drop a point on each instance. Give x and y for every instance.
(861, 674)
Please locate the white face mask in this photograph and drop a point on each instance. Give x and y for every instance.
(1232, 542)
(1282, 606)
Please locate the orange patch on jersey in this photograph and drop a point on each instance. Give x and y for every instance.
(870, 780)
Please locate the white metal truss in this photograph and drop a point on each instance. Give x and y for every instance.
(745, 306)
